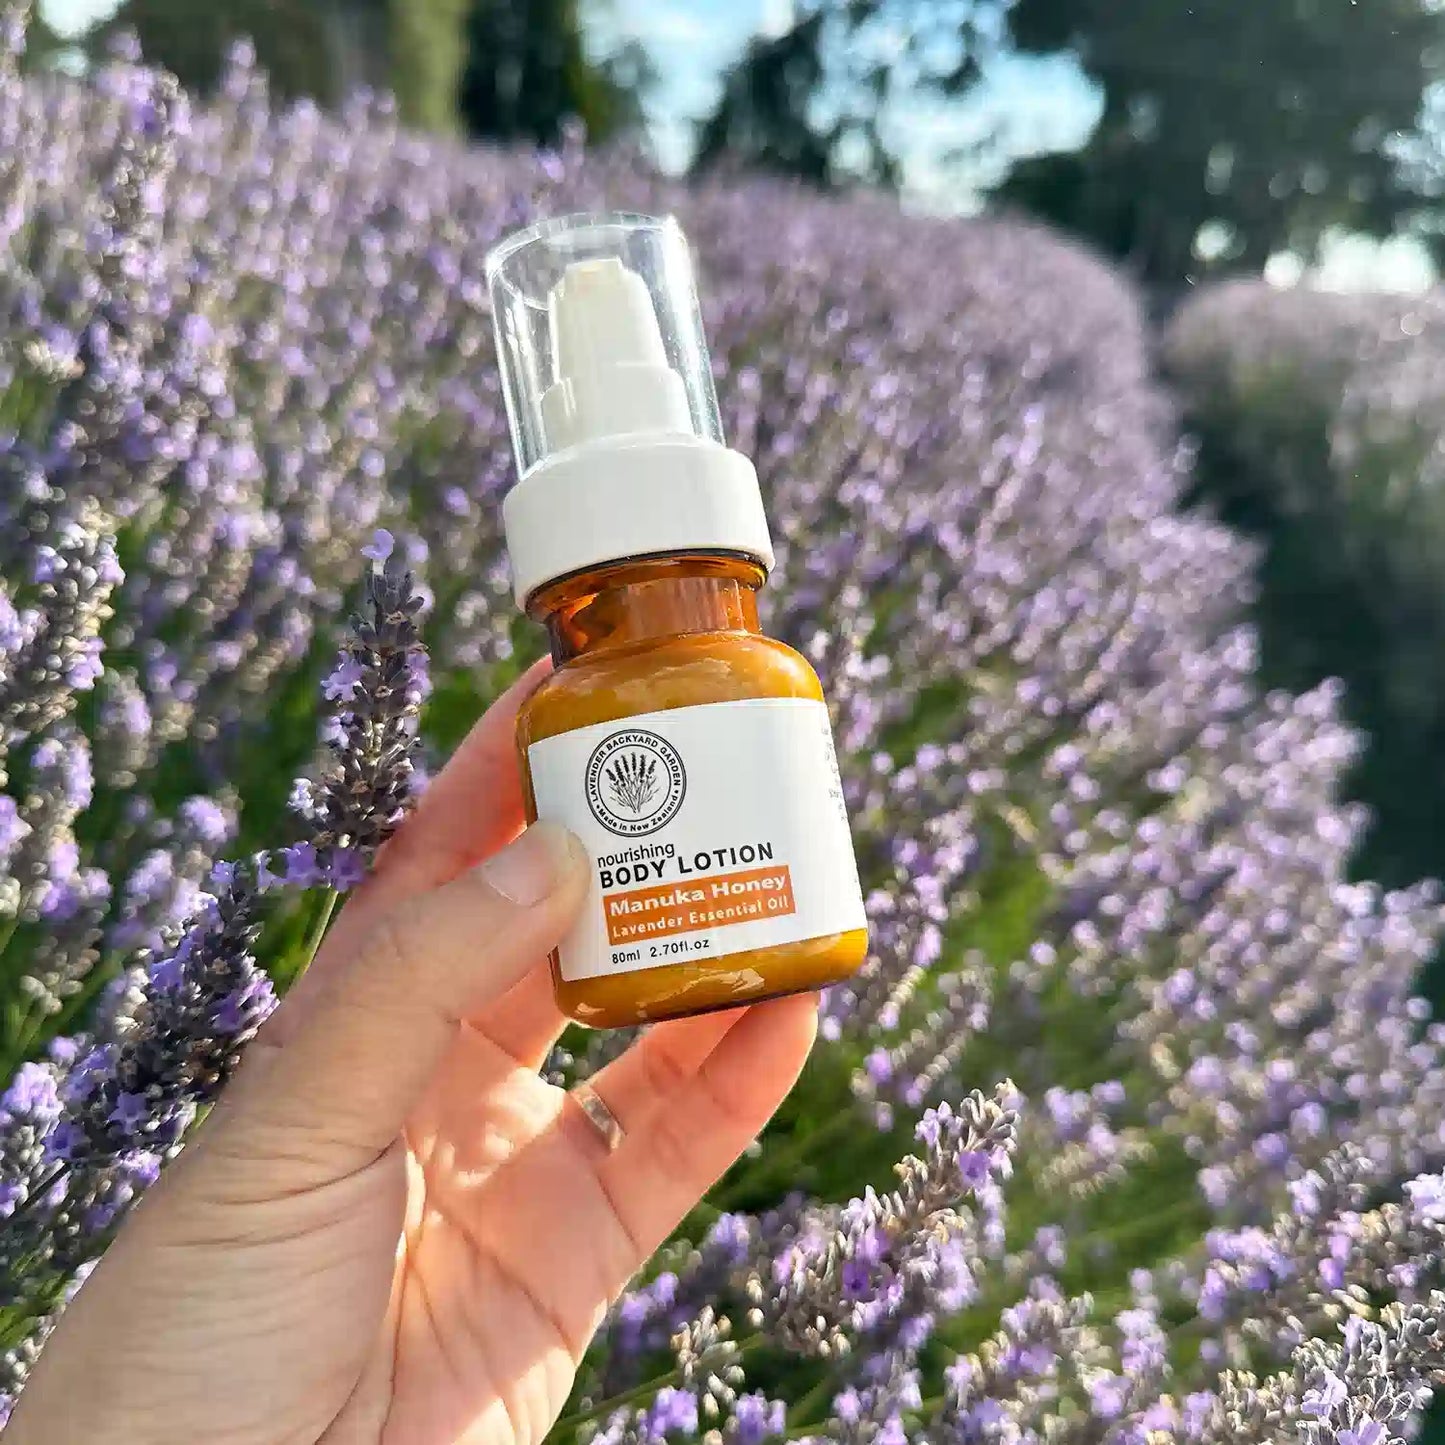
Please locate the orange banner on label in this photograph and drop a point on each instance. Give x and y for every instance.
(712, 902)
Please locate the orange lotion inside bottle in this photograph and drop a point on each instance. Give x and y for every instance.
(640, 637)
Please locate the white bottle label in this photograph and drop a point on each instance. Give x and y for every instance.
(712, 830)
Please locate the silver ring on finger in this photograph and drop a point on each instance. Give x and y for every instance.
(599, 1116)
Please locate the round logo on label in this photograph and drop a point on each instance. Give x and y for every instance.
(635, 782)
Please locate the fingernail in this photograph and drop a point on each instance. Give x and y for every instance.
(535, 865)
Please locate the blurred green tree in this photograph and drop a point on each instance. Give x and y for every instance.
(1233, 129)
(819, 99)
(317, 48)
(529, 70)
(764, 117)
(292, 39)
(428, 52)
(1230, 130)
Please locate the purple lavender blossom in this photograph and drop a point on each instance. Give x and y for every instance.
(376, 687)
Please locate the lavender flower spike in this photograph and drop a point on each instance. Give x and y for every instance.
(377, 686)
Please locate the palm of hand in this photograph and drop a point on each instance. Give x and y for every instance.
(393, 1229)
(501, 1276)
(446, 1292)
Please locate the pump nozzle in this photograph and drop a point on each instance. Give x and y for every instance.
(612, 377)
(601, 315)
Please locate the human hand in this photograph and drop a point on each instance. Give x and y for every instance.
(391, 1228)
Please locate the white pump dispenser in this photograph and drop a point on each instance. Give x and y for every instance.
(610, 397)
(613, 376)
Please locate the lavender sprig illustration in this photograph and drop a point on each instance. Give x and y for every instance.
(633, 780)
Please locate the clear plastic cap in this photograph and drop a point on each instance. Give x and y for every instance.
(599, 334)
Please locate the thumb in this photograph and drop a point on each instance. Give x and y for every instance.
(339, 1092)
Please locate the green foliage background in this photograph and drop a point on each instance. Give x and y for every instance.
(1340, 488)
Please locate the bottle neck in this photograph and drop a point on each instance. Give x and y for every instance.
(643, 600)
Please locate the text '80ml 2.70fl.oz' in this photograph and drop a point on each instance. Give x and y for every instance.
(692, 755)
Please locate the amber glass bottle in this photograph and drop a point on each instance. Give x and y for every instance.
(642, 637)
(691, 755)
